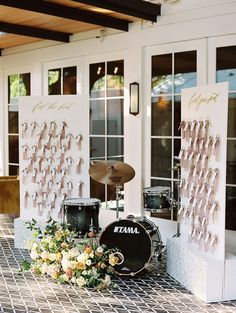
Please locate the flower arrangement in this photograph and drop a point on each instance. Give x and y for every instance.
(56, 252)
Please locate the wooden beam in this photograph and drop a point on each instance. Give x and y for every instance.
(138, 8)
(34, 32)
(63, 11)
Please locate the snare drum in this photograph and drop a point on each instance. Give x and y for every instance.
(82, 214)
(156, 198)
(133, 237)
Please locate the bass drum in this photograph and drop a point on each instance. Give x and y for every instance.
(134, 238)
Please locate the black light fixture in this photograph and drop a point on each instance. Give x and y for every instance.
(134, 98)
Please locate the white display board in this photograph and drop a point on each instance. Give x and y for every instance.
(203, 167)
(197, 257)
(54, 154)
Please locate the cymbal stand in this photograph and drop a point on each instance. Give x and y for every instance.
(178, 199)
(118, 187)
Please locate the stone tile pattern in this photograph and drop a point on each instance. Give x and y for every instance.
(151, 291)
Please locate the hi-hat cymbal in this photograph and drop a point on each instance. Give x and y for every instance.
(111, 172)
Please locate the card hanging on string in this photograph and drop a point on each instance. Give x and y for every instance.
(216, 147)
(34, 126)
(26, 197)
(25, 149)
(52, 128)
(80, 188)
(63, 129)
(69, 140)
(34, 149)
(34, 198)
(182, 129)
(24, 127)
(34, 175)
(206, 127)
(79, 140)
(79, 164)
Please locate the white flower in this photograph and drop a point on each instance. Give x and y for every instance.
(65, 278)
(88, 262)
(73, 252)
(99, 249)
(73, 280)
(34, 246)
(65, 263)
(82, 258)
(44, 268)
(44, 255)
(52, 257)
(34, 255)
(80, 281)
(84, 272)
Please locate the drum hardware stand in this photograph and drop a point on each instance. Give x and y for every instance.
(158, 249)
(178, 198)
(118, 188)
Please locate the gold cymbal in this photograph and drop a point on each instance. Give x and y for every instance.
(111, 172)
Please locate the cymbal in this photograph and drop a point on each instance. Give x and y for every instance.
(111, 172)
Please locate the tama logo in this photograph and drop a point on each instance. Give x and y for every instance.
(126, 230)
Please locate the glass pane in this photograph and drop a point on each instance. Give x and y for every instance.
(115, 112)
(97, 147)
(161, 74)
(161, 158)
(232, 115)
(97, 190)
(177, 147)
(97, 117)
(159, 182)
(97, 80)
(226, 66)
(13, 88)
(69, 80)
(185, 70)
(54, 82)
(231, 208)
(13, 119)
(114, 147)
(115, 78)
(116, 158)
(13, 149)
(24, 84)
(13, 169)
(177, 115)
(231, 162)
(161, 116)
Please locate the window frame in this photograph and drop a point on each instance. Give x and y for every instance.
(63, 64)
(7, 73)
(200, 46)
(105, 58)
(213, 44)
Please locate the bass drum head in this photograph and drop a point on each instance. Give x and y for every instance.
(131, 238)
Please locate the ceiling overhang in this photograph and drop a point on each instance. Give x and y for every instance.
(138, 8)
(58, 19)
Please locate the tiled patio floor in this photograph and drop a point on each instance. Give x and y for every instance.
(144, 293)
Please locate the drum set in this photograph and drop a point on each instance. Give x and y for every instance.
(137, 238)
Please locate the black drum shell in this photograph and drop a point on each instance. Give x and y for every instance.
(156, 198)
(82, 216)
(133, 239)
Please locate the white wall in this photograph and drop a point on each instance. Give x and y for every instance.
(181, 21)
